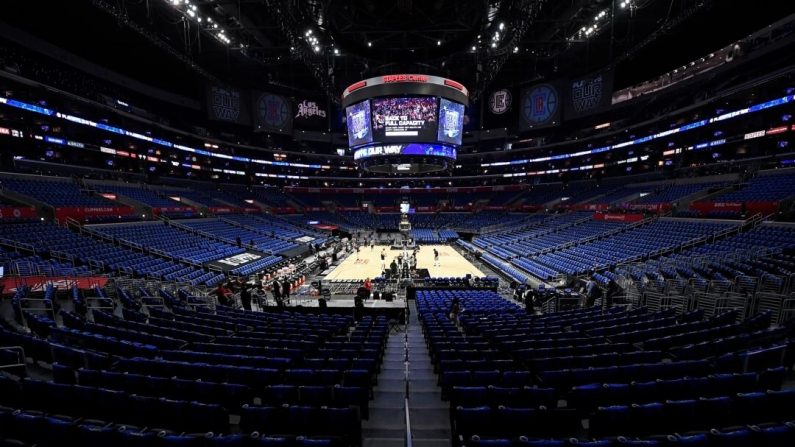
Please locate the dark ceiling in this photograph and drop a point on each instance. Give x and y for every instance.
(270, 45)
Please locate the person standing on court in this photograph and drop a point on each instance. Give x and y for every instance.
(383, 260)
(277, 292)
(436, 258)
(286, 289)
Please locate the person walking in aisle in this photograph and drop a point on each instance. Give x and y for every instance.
(245, 296)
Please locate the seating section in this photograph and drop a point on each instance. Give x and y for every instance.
(609, 377)
(172, 241)
(268, 243)
(753, 263)
(674, 193)
(93, 254)
(139, 193)
(585, 245)
(57, 193)
(762, 188)
(287, 377)
(282, 228)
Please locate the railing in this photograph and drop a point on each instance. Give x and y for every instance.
(17, 246)
(409, 442)
(21, 357)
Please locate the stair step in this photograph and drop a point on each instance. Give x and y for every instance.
(385, 442)
(429, 418)
(440, 442)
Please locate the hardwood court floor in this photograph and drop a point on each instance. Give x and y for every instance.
(368, 263)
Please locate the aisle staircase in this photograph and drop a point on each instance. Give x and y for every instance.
(407, 399)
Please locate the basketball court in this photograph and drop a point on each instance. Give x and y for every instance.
(368, 263)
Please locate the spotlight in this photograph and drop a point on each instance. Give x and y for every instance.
(369, 44)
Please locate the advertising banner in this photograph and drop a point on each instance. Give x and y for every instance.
(310, 114)
(588, 95)
(618, 217)
(14, 212)
(227, 104)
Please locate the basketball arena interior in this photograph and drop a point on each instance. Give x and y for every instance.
(398, 223)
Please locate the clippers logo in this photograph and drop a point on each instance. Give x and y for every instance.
(586, 94)
(500, 102)
(273, 111)
(540, 104)
(308, 109)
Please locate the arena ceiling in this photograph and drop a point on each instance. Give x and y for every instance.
(324, 45)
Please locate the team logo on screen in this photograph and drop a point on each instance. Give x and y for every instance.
(540, 104)
(451, 120)
(273, 111)
(500, 102)
(359, 124)
(586, 94)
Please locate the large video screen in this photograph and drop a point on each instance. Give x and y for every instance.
(405, 118)
(358, 119)
(451, 122)
(429, 149)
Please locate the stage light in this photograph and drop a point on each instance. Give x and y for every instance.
(438, 42)
(336, 51)
(494, 45)
(515, 49)
(502, 26)
(316, 48)
(369, 44)
(473, 48)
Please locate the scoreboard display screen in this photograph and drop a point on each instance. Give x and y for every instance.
(360, 130)
(405, 118)
(451, 122)
(391, 120)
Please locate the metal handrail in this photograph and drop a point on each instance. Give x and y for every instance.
(22, 357)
